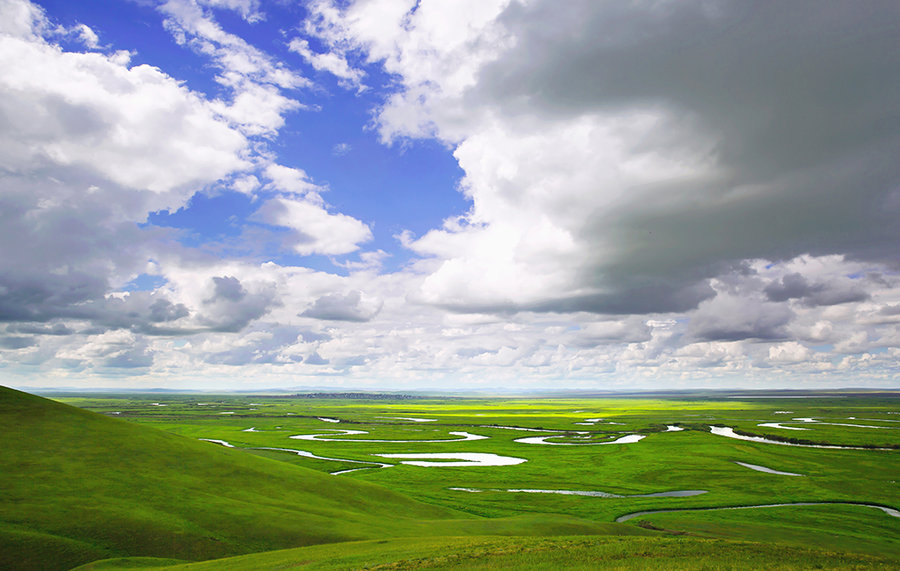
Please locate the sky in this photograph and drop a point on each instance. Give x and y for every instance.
(484, 195)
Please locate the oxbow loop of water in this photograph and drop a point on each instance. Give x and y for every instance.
(890, 511)
(628, 439)
(590, 493)
(808, 420)
(464, 436)
(759, 468)
(730, 433)
(454, 459)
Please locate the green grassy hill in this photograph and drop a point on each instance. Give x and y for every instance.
(526, 553)
(82, 488)
(79, 486)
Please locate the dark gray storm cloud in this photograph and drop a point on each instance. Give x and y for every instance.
(164, 310)
(231, 308)
(890, 310)
(636, 294)
(795, 286)
(67, 243)
(140, 311)
(343, 307)
(800, 100)
(786, 85)
(9, 342)
(39, 329)
(64, 244)
(727, 318)
(788, 287)
(227, 288)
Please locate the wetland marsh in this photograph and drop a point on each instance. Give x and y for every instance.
(596, 468)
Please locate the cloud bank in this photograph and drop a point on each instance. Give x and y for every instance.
(659, 193)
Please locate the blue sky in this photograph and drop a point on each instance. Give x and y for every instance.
(490, 194)
(410, 185)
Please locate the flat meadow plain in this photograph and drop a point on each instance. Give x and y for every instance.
(193, 481)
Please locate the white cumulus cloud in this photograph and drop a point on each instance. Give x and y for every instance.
(314, 229)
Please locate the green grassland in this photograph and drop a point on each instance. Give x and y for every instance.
(641, 553)
(136, 481)
(79, 486)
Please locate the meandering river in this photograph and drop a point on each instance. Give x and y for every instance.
(759, 468)
(730, 433)
(890, 511)
(461, 459)
(306, 454)
(464, 436)
(591, 493)
(628, 439)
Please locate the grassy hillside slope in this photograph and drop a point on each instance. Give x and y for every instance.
(78, 486)
(521, 553)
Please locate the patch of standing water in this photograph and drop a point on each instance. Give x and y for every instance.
(518, 428)
(465, 436)
(778, 425)
(463, 459)
(808, 420)
(890, 511)
(222, 442)
(759, 468)
(858, 425)
(251, 429)
(327, 419)
(673, 494)
(410, 418)
(785, 397)
(730, 433)
(628, 439)
(592, 493)
(306, 454)
(671, 428)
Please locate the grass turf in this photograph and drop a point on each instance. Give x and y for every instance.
(679, 553)
(256, 491)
